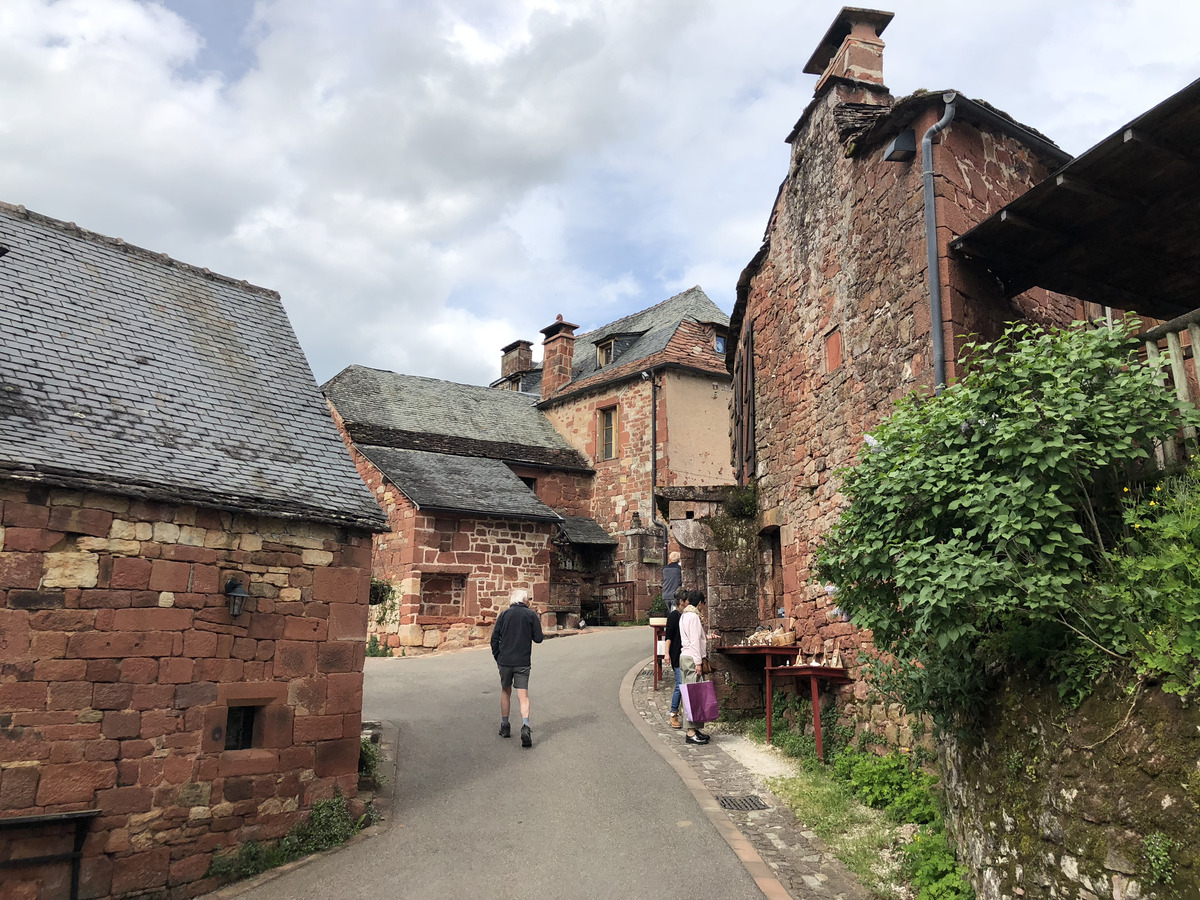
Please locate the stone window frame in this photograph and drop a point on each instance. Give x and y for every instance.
(272, 725)
(607, 433)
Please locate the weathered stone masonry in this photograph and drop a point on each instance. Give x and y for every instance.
(837, 306)
(120, 658)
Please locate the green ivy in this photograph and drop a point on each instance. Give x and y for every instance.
(980, 518)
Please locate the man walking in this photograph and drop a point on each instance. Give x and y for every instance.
(693, 649)
(513, 636)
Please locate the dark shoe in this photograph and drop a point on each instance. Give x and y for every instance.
(526, 736)
(701, 734)
(505, 729)
(695, 739)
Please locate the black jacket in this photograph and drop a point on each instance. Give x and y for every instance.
(673, 636)
(517, 629)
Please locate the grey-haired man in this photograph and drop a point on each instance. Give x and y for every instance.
(516, 630)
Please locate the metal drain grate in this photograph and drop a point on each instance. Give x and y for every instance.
(745, 803)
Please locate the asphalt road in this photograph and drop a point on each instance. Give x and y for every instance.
(590, 812)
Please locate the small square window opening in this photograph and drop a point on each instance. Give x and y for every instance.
(719, 343)
(239, 727)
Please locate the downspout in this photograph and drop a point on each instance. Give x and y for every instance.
(931, 245)
(653, 373)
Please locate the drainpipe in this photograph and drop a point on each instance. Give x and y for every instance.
(931, 246)
(652, 376)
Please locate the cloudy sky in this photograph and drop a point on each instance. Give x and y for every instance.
(426, 180)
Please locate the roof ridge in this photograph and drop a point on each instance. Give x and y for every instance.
(461, 384)
(132, 249)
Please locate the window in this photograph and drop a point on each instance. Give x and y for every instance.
(744, 457)
(604, 352)
(719, 343)
(239, 727)
(530, 483)
(608, 433)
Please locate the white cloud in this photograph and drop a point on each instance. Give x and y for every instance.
(426, 181)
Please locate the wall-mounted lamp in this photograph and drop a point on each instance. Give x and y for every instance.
(902, 148)
(237, 596)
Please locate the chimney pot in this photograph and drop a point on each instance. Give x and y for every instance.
(558, 355)
(517, 358)
(851, 48)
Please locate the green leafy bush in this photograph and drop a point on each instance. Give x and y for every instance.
(375, 648)
(1156, 574)
(980, 518)
(932, 870)
(889, 783)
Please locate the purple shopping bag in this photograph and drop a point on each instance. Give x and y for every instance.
(700, 701)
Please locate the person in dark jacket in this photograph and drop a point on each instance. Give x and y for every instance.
(672, 579)
(516, 630)
(673, 645)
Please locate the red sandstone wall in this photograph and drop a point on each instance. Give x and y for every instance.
(621, 487)
(567, 493)
(118, 657)
(841, 325)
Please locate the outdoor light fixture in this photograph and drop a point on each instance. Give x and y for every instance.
(237, 596)
(902, 148)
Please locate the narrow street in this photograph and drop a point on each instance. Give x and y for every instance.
(591, 811)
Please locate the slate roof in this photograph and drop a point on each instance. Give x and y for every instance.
(643, 334)
(673, 333)
(582, 530)
(126, 371)
(459, 484)
(384, 408)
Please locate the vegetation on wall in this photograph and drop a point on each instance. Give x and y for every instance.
(735, 532)
(328, 825)
(989, 532)
(383, 599)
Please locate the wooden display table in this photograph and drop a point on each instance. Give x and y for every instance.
(815, 675)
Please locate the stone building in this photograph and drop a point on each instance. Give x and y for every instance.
(833, 319)
(645, 400)
(163, 450)
(837, 317)
(482, 495)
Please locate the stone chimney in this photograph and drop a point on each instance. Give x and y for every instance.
(517, 358)
(851, 48)
(557, 355)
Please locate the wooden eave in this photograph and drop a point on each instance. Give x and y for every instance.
(1118, 226)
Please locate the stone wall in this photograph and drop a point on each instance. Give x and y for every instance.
(119, 660)
(839, 312)
(622, 494)
(1055, 802)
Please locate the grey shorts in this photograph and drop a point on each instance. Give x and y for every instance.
(514, 675)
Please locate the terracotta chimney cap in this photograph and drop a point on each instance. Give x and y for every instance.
(873, 19)
(559, 327)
